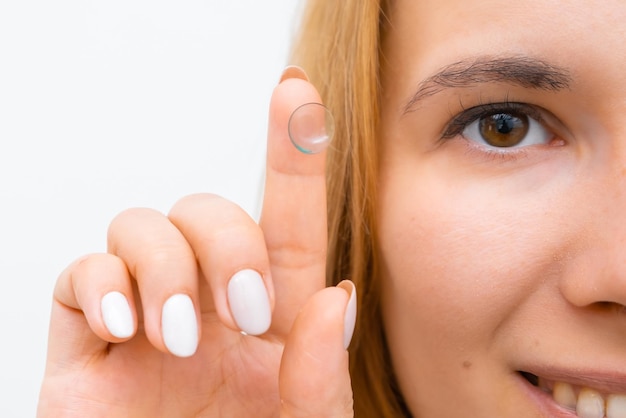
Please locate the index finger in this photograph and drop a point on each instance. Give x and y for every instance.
(293, 218)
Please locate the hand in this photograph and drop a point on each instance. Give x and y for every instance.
(177, 350)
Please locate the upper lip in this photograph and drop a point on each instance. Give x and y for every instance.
(602, 380)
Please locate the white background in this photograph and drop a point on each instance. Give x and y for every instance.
(112, 104)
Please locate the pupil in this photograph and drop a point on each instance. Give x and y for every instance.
(504, 123)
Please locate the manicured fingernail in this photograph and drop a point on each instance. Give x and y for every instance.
(349, 319)
(117, 315)
(293, 71)
(311, 128)
(249, 302)
(179, 325)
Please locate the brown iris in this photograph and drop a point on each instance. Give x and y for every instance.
(504, 129)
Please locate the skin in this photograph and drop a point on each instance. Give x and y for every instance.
(496, 261)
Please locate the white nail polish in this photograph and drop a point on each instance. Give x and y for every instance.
(249, 302)
(349, 319)
(116, 315)
(179, 326)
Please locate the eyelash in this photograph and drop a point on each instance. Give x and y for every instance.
(456, 126)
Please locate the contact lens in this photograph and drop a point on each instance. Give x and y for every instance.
(311, 128)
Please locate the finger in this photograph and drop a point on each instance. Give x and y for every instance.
(293, 217)
(314, 379)
(92, 306)
(160, 259)
(230, 250)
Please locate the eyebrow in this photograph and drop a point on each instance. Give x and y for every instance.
(519, 70)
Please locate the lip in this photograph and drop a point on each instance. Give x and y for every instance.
(544, 401)
(604, 382)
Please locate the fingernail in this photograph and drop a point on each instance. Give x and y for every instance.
(311, 128)
(179, 325)
(349, 319)
(117, 315)
(249, 302)
(293, 71)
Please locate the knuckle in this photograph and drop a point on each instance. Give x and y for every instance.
(163, 256)
(184, 204)
(122, 222)
(297, 256)
(94, 265)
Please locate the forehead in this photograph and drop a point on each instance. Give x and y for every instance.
(584, 36)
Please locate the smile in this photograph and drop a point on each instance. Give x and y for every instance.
(585, 401)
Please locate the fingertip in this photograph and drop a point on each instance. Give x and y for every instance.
(98, 285)
(84, 320)
(311, 125)
(320, 322)
(297, 134)
(314, 373)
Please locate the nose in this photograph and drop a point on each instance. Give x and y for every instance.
(596, 276)
(594, 273)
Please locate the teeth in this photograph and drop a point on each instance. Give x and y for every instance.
(590, 404)
(616, 406)
(564, 395)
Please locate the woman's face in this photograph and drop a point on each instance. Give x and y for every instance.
(502, 208)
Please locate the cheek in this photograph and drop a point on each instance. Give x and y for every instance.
(453, 249)
(459, 259)
(446, 261)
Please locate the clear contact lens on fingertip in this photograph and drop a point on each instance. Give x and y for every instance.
(311, 128)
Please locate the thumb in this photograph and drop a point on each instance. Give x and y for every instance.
(314, 378)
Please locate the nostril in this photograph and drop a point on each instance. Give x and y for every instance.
(610, 307)
(619, 309)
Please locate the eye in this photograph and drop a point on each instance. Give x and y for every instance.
(506, 130)
(500, 126)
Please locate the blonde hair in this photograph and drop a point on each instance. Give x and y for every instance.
(339, 47)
